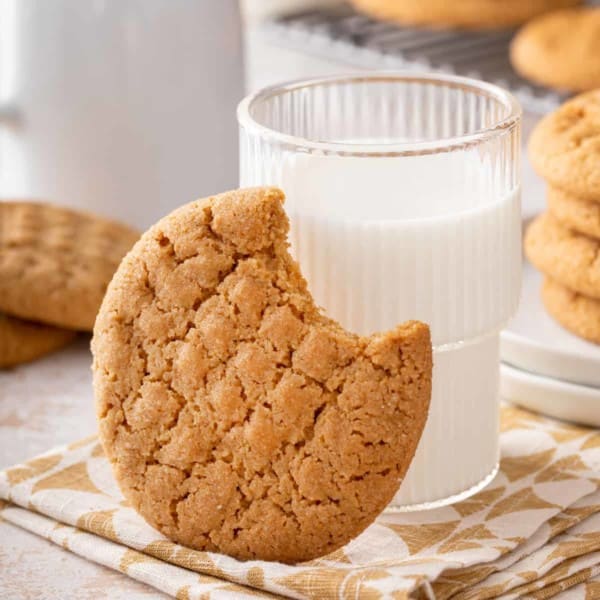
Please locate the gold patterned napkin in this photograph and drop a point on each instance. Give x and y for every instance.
(533, 532)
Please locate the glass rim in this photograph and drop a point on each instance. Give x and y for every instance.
(446, 144)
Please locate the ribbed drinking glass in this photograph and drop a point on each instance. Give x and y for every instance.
(403, 193)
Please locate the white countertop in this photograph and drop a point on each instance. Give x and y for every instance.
(42, 405)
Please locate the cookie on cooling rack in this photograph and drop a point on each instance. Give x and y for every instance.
(560, 49)
(470, 14)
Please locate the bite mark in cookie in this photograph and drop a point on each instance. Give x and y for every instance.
(237, 417)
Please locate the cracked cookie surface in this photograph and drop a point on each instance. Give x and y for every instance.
(570, 258)
(575, 312)
(564, 148)
(55, 263)
(580, 215)
(236, 416)
(24, 341)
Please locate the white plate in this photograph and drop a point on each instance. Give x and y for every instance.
(560, 399)
(536, 343)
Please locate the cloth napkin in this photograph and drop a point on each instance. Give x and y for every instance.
(533, 532)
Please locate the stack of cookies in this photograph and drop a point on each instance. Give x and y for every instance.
(55, 265)
(564, 242)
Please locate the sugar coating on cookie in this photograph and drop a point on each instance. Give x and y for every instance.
(575, 312)
(564, 148)
(560, 49)
(236, 416)
(55, 262)
(569, 258)
(575, 213)
(470, 14)
(24, 341)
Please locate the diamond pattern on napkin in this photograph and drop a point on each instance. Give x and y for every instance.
(535, 530)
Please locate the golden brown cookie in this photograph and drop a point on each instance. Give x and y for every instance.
(570, 258)
(55, 263)
(565, 146)
(23, 341)
(575, 312)
(236, 416)
(470, 14)
(560, 49)
(579, 215)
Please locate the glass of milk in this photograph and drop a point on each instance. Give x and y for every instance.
(403, 193)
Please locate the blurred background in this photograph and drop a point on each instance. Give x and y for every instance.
(128, 108)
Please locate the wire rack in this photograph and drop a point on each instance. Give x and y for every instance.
(343, 35)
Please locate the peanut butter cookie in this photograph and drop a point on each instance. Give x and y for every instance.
(571, 259)
(565, 147)
(470, 14)
(560, 49)
(236, 416)
(55, 263)
(575, 312)
(23, 341)
(579, 215)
